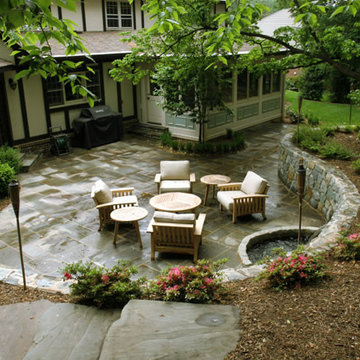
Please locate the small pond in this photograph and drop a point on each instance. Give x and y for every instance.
(260, 250)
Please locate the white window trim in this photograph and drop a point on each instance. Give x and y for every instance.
(119, 16)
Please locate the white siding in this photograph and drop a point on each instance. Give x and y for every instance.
(14, 108)
(110, 88)
(93, 13)
(35, 108)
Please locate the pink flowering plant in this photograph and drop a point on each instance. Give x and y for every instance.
(199, 283)
(295, 270)
(103, 287)
(347, 247)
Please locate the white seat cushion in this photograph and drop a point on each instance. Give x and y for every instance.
(175, 170)
(253, 184)
(175, 185)
(128, 199)
(226, 198)
(168, 217)
(102, 192)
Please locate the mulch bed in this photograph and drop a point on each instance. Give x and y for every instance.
(315, 322)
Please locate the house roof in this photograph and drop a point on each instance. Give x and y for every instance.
(102, 43)
(97, 42)
(270, 23)
(5, 65)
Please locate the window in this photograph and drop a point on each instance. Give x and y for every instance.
(253, 85)
(118, 15)
(227, 86)
(266, 84)
(59, 93)
(242, 85)
(276, 80)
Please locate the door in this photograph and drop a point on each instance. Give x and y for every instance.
(154, 111)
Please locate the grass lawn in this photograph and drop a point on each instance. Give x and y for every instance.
(328, 113)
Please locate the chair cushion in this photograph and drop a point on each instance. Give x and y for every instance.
(175, 170)
(128, 199)
(253, 184)
(168, 217)
(173, 185)
(102, 192)
(226, 198)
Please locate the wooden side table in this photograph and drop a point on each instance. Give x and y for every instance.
(213, 180)
(128, 214)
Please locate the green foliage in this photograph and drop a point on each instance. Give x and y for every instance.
(347, 248)
(103, 287)
(200, 283)
(312, 119)
(11, 156)
(175, 145)
(7, 173)
(293, 115)
(335, 150)
(356, 166)
(295, 270)
(311, 84)
(317, 139)
(292, 83)
(189, 147)
(165, 138)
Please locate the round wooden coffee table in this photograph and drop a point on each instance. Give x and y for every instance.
(128, 214)
(175, 202)
(213, 180)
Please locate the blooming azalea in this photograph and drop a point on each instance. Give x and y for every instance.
(68, 275)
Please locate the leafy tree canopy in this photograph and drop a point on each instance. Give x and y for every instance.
(28, 27)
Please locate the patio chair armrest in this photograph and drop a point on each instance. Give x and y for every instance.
(230, 186)
(251, 196)
(192, 177)
(103, 206)
(157, 178)
(122, 191)
(150, 227)
(199, 224)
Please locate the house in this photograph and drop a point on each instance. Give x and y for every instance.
(29, 107)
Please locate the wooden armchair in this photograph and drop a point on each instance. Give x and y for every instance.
(174, 176)
(176, 233)
(106, 200)
(244, 198)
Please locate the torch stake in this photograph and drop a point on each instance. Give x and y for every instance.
(14, 190)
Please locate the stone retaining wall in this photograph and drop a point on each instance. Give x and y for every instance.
(326, 189)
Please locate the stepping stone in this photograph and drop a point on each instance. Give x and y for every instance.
(172, 331)
(43, 330)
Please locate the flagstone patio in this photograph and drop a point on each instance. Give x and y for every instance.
(59, 221)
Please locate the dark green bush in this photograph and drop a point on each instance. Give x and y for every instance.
(7, 173)
(175, 145)
(308, 135)
(312, 82)
(356, 166)
(103, 287)
(189, 147)
(294, 115)
(11, 156)
(182, 146)
(335, 150)
(165, 138)
(312, 119)
(292, 83)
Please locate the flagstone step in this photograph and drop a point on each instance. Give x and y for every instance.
(147, 130)
(29, 160)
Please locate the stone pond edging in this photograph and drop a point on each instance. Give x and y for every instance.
(327, 190)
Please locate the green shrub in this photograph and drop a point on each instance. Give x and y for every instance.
(11, 156)
(312, 120)
(335, 150)
(239, 141)
(175, 145)
(97, 285)
(7, 173)
(226, 148)
(295, 270)
(309, 136)
(182, 146)
(229, 134)
(312, 82)
(292, 83)
(356, 166)
(347, 248)
(189, 147)
(199, 283)
(165, 138)
(294, 115)
(219, 148)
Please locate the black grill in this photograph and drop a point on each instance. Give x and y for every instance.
(97, 126)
